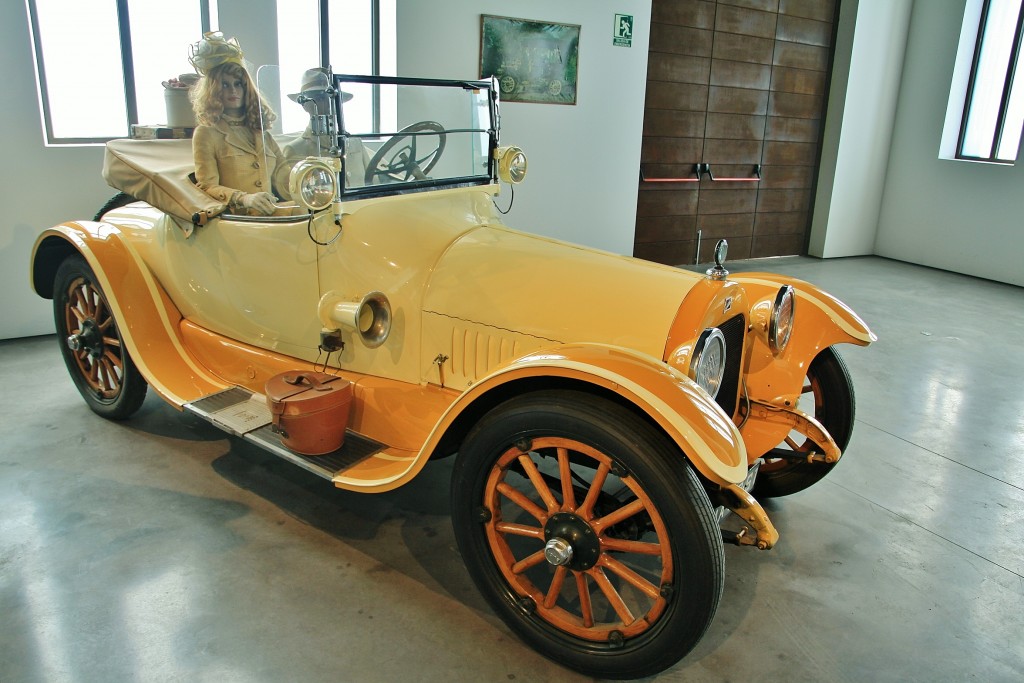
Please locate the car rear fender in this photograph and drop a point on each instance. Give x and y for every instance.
(148, 321)
(684, 412)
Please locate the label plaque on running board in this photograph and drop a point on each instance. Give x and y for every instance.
(244, 417)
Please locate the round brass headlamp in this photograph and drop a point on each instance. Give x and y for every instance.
(511, 164)
(313, 183)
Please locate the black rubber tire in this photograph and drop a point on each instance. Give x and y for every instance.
(835, 408)
(101, 368)
(116, 202)
(651, 464)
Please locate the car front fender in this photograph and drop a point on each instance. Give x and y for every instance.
(820, 321)
(148, 321)
(684, 412)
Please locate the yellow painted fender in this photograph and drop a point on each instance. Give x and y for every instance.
(149, 323)
(685, 413)
(821, 320)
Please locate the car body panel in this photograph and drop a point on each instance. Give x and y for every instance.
(480, 310)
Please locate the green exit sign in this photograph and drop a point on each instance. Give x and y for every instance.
(622, 33)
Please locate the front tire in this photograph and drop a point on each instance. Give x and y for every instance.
(644, 575)
(828, 395)
(91, 343)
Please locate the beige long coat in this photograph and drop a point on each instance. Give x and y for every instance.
(229, 161)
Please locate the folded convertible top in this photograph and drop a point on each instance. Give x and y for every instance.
(157, 172)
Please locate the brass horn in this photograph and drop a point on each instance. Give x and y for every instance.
(369, 318)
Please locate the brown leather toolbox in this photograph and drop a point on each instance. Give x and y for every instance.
(310, 410)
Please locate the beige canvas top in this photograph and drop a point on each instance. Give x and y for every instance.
(157, 172)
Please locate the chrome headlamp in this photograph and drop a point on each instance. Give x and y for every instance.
(780, 325)
(707, 364)
(313, 183)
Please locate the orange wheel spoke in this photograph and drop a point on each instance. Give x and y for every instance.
(538, 483)
(522, 501)
(520, 530)
(111, 383)
(99, 312)
(112, 358)
(88, 303)
(586, 511)
(568, 495)
(112, 341)
(630, 576)
(614, 599)
(585, 607)
(624, 546)
(792, 444)
(624, 512)
(528, 562)
(807, 389)
(79, 318)
(556, 587)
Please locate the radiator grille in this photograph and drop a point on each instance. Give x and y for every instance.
(728, 394)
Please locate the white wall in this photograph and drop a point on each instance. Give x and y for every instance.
(42, 185)
(955, 215)
(870, 44)
(584, 159)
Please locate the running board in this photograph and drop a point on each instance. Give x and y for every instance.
(244, 414)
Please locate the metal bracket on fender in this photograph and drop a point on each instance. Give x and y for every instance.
(801, 422)
(750, 511)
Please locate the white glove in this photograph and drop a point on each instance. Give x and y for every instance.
(260, 202)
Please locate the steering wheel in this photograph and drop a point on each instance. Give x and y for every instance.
(399, 160)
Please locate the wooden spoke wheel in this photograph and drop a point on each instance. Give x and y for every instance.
(828, 396)
(91, 343)
(588, 533)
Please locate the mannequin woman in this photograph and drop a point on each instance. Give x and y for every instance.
(234, 155)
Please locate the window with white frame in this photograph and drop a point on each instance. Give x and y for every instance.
(358, 38)
(993, 112)
(101, 63)
(91, 95)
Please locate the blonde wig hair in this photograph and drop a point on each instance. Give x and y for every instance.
(207, 104)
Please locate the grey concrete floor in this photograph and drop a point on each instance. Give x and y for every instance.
(158, 549)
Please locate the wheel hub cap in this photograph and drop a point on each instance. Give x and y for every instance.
(570, 542)
(89, 339)
(558, 551)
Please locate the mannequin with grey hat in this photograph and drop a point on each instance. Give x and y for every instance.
(314, 97)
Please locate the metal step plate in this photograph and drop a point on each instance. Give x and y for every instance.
(234, 410)
(242, 413)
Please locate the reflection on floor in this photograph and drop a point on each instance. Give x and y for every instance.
(159, 549)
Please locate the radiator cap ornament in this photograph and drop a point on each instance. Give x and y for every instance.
(718, 272)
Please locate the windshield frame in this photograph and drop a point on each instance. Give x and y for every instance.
(489, 86)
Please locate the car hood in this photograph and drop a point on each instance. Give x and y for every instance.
(557, 291)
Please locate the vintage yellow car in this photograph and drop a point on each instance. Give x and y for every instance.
(605, 413)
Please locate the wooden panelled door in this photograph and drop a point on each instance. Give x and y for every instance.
(736, 91)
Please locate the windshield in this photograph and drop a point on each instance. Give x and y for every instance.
(391, 134)
(414, 132)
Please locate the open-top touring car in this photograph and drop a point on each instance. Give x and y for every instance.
(605, 411)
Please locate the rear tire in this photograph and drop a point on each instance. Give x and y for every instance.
(645, 574)
(91, 343)
(116, 202)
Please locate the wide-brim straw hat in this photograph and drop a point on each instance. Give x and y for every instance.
(213, 50)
